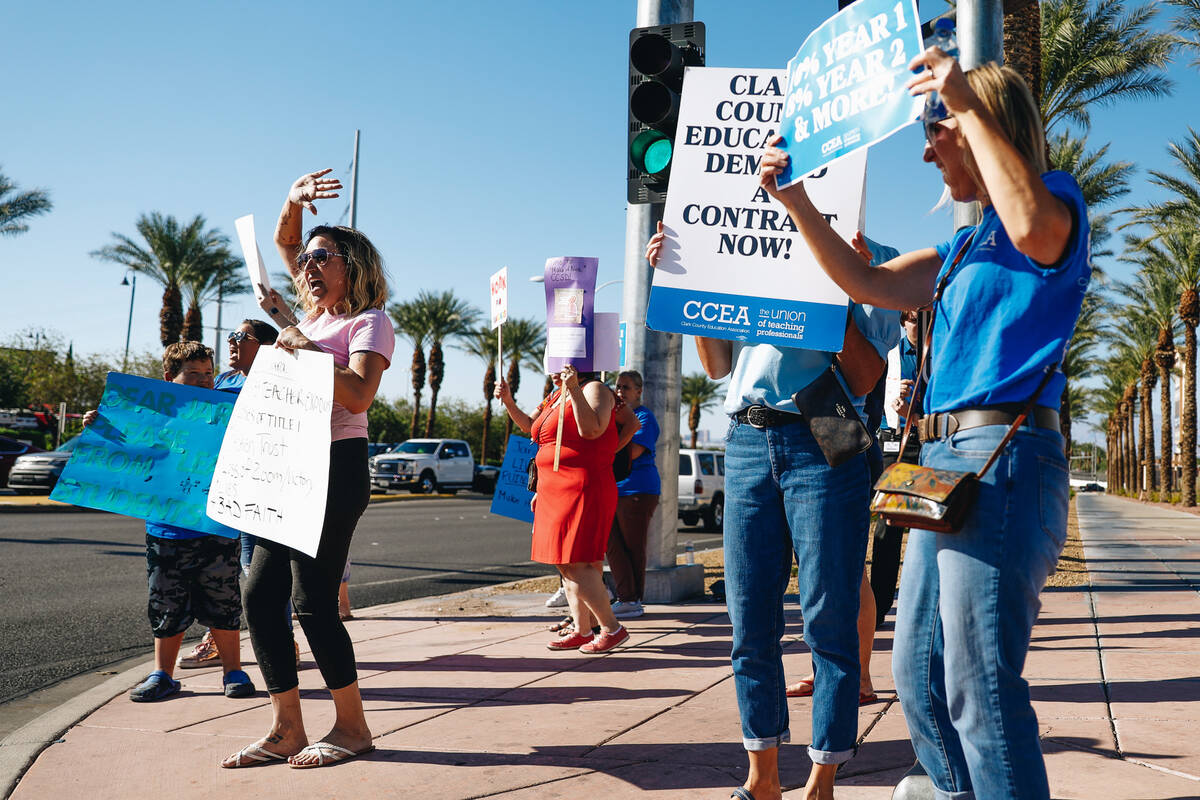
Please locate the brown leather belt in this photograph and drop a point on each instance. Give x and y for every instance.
(765, 417)
(939, 426)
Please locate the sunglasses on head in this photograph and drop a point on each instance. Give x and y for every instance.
(237, 336)
(318, 256)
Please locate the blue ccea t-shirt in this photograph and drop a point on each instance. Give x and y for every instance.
(643, 472)
(1003, 317)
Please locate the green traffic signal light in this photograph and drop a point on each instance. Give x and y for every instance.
(650, 152)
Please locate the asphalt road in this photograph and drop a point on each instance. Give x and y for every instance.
(74, 584)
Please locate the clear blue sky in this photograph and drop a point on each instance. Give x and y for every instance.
(492, 134)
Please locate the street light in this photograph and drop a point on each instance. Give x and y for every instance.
(125, 281)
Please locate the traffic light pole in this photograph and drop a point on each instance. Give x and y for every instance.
(658, 357)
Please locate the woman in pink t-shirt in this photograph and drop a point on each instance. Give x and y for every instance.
(339, 277)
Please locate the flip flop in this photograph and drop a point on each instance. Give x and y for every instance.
(254, 755)
(867, 698)
(801, 688)
(327, 754)
(741, 793)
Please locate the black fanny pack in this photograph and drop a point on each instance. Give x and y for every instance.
(832, 418)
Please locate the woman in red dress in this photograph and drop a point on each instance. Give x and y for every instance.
(574, 506)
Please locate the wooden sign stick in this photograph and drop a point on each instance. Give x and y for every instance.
(562, 407)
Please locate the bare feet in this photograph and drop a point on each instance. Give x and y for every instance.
(355, 742)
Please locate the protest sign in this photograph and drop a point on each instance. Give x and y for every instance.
(150, 454)
(499, 292)
(511, 498)
(570, 289)
(622, 334)
(255, 267)
(607, 356)
(272, 474)
(734, 265)
(845, 88)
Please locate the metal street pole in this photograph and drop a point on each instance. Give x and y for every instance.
(129, 325)
(217, 333)
(657, 356)
(354, 184)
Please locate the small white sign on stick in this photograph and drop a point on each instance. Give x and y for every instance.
(272, 473)
(254, 260)
(499, 304)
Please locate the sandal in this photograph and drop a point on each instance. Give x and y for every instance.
(741, 793)
(326, 754)
(562, 624)
(867, 698)
(254, 755)
(801, 688)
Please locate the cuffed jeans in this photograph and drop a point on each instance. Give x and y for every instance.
(782, 496)
(968, 602)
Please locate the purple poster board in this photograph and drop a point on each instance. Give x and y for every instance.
(570, 292)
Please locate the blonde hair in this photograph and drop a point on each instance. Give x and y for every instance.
(179, 353)
(366, 279)
(1005, 95)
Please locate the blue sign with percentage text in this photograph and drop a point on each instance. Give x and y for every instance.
(845, 87)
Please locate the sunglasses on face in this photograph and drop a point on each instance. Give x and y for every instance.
(237, 336)
(318, 257)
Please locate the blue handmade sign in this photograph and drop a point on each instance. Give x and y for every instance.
(150, 454)
(845, 87)
(511, 498)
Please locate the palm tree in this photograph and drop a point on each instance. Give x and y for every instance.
(446, 316)
(411, 324)
(219, 277)
(481, 343)
(698, 393)
(1080, 361)
(16, 207)
(1093, 52)
(1023, 41)
(170, 251)
(524, 341)
(1187, 25)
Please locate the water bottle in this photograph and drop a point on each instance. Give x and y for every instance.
(943, 37)
(689, 552)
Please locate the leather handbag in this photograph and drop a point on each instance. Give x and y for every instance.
(832, 418)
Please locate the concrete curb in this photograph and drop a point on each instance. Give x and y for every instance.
(20, 748)
(25, 505)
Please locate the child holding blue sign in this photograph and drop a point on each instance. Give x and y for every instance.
(1006, 294)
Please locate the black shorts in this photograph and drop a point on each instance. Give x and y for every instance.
(193, 580)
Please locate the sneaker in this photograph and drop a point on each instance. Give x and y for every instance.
(558, 599)
(237, 684)
(605, 642)
(157, 685)
(627, 609)
(572, 642)
(204, 654)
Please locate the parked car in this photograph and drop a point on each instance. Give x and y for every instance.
(702, 488)
(10, 450)
(1092, 487)
(486, 476)
(425, 466)
(38, 472)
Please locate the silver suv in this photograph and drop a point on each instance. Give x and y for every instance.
(425, 466)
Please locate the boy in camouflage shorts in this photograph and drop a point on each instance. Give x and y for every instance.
(192, 576)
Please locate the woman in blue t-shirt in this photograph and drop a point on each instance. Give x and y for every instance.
(637, 497)
(1013, 288)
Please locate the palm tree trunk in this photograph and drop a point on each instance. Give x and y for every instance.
(418, 383)
(436, 367)
(1165, 460)
(1064, 423)
(1187, 419)
(1146, 423)
(1023, 42)
(170, 318)
(489, 387)
(193, 325)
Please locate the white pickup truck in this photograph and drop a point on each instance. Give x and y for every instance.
(425, 466)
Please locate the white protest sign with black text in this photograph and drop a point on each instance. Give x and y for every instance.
(254, 260)
(273, 470)
(734, 265)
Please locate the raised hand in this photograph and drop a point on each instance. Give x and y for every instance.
(944, 75)
(313, 186)
(655, 245)
(773, 162)
(502, 392)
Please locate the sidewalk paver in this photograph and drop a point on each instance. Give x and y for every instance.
(466, 701)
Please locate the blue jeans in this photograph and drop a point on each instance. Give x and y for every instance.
(968, 601)
(780, 496)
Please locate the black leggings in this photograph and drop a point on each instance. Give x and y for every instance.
(277, 572)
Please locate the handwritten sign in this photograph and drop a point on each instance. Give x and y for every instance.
(272, 474)
(511, 498)
(499, 304)
(254, 260)
(570, 289)
(845, 88)
(734, 265)
(150, 454)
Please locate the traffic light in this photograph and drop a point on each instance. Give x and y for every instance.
(657, 57)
